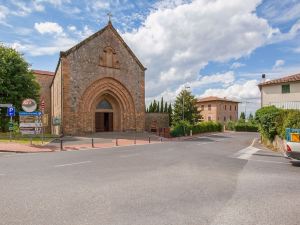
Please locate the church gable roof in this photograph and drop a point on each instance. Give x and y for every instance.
(111, 27)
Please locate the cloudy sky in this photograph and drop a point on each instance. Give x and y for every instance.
(216, 47)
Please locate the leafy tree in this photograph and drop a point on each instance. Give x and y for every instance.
(166, 107)
(157, 109)
(150, 108)
(250, 118)
(17, 82)
(161, 105)
(242, 116)
(170, 111)
(185, 103)
(154, 106)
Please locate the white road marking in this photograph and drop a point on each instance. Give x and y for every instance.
(268, 161)
(72, 164)
(246, 153)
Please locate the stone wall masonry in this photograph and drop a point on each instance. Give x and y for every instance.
(162, 120)
(45, 93)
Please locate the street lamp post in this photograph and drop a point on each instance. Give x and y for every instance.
(185, 88)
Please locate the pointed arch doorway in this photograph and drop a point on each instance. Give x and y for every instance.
(104, 117)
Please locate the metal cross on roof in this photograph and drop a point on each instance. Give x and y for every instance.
(109, 16)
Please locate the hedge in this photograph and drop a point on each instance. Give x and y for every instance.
(241, 125)
(201, 127)
(273, 121)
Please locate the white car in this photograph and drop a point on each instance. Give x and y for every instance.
(293, 150)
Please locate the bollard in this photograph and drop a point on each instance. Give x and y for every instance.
(93, 143)
(61, 145)
(149, 140)
(116, 141)
(161, 139)
(134, 140)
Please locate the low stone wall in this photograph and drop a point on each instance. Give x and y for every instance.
(159, 120)
(278, 144)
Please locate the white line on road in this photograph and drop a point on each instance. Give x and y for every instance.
(72, 164)
(247, 152)
(268, 161)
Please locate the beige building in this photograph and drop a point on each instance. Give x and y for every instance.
(218, 109)
(282, 93)
(98, 85)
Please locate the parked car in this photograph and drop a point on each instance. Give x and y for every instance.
(293, 150)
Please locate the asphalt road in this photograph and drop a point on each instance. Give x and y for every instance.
(214, 180)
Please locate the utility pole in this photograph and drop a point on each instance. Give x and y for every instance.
(185, 88)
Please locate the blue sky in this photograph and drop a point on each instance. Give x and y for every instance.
(216, 47)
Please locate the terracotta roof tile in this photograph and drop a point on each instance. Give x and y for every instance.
(288, 79)
(43, 72)
(214, 98)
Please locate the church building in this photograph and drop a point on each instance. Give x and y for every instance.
(98, 86)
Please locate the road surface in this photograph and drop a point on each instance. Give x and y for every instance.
(214, 179)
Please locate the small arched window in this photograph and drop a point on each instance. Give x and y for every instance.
(104, 105)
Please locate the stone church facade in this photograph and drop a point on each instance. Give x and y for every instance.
(98, 86)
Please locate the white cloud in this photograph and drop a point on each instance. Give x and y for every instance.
(237, 65)
(244, 91)
(48, 27)
(278, 63)
(176, 42)
(100, 5)
(225, 79)
(3, 12)
(56, 45)
(281, 11)
(72, 28)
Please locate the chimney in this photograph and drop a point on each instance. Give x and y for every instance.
(263, 78)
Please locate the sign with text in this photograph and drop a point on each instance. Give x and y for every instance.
(36, 113)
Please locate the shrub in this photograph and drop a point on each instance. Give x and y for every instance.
(200, 127)
(240, 125)
(269, 121)
(291, 120)
(178, 129)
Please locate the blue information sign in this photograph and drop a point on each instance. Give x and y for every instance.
(11, 111)
(36, 113)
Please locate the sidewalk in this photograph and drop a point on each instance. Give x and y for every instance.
(27, 148)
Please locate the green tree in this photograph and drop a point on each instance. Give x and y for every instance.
(185, 108)
(242, 116)
(157, 109)
(161, 105)
(166, 107)
(250, 118)
(154, 106)
(17, 81)
(150, 110)
(170, 111)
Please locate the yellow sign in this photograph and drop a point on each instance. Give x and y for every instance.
(295, 137)
(45, 120)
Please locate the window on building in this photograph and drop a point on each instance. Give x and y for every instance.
(235, 108)
(209, 107)
(230, 118)
(202, 107)
(209, 118)
(224, 118)
(104, 105)
(285, 88)
(230, 107)
(225, 107)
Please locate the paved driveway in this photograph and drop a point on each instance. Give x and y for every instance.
(214, 179)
